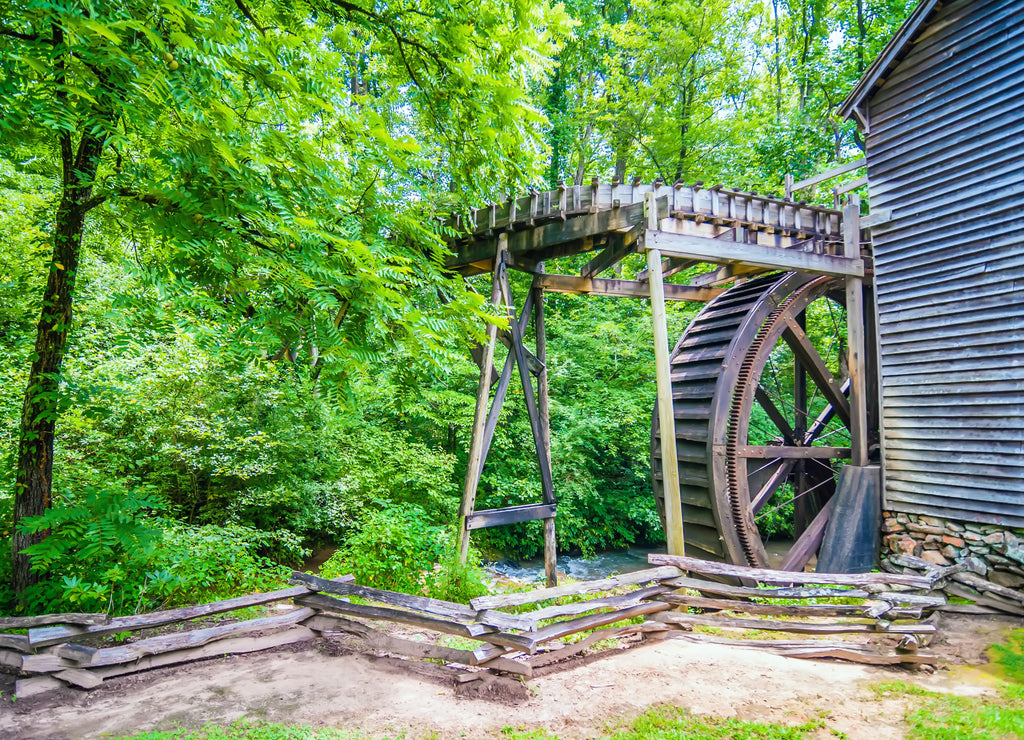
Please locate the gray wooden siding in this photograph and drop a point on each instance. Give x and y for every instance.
(946, 154)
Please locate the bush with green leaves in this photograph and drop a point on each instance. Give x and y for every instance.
(109, 551)
(397, 548)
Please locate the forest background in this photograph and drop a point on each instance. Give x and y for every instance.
(264, 353)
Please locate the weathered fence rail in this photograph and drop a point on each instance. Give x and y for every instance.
(676, 598)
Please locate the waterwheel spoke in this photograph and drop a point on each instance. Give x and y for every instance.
(808, 356)
(771, 486)
(809, 542)
(775, 415)
(822, 421)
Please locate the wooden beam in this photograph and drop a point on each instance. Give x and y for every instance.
(855, 337)
(829, 174)
(558, 232)
(666, 410)
(44, 636)
(483, 391)
(14, 623)
(776, 452)
(624, 288)
(550, 545)
(620, 244)
(509, 515)
(724, 253)
(723, 275)
(766, 575)
(499, 601)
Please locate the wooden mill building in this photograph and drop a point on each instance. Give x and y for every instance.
(942, 111)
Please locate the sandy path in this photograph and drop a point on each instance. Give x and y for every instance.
(383, 697)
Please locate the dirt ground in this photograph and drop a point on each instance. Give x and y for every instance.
(323, 684)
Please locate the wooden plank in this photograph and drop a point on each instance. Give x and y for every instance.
(624, 288)
(549, 235)
(43, 620)
(20, 643)
(491, 425)
(43, 636)
(802, 610)
(621, 244)
(829, 174)
(379, 641)
(543, 412)
(81, 678)
(334, 606)
(35, 685)
(983, 584)
(775, 625)
(45, 663)
(766, 575)
(195, 638)
(722, 275)
(483, 391)
(230, 646)
(435, 607)
(855, 652)
(666, 410)
(811, 361)
(606, 602)
(852, 185)
(777, 452)
(806, 592)
(11, 658)
(649, 575)
(556, 656)
(572, 626)
(509, 515)
(724, 253)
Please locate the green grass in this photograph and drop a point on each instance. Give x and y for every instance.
(673, 723)
(659, 723)
(933, 716)
(248, 730)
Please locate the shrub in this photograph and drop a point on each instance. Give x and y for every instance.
(397, 548)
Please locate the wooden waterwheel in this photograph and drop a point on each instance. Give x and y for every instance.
(762, 417)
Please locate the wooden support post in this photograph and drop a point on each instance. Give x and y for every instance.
(666, 412)
(480, 414)
(855, 336)
(550, 549)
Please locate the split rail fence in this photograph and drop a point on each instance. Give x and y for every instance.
(514, 633)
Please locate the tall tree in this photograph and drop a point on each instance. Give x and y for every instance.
(287, 157)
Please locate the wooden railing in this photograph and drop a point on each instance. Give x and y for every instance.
(67, 650)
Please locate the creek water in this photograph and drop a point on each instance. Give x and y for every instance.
(601, 565)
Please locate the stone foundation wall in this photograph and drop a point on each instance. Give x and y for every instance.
(944, 542)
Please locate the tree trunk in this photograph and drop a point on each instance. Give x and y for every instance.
(34, 482)
(39, 412)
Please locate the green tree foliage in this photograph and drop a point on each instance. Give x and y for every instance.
(253, 147)
(222, 305)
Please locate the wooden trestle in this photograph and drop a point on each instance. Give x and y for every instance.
(678, 226)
